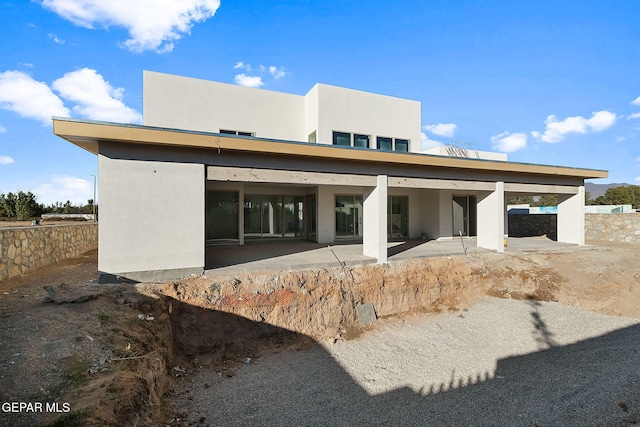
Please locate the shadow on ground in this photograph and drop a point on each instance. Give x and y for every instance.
(592, 382)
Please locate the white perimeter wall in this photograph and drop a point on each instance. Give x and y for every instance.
(151, 217)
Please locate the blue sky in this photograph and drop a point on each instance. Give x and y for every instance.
(553, 82)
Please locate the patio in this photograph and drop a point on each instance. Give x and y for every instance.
(290, 255)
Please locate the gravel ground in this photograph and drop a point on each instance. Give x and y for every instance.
(501, 362)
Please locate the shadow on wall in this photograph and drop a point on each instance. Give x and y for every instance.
(560, 385)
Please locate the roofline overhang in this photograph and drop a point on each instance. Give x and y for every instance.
(89, 134)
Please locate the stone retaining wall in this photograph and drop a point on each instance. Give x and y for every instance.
(624, 227)
(25, 248)
(613, 227)
(525, 225)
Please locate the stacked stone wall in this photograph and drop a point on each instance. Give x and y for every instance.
(525, 225)
(25, 248)
(623, 227)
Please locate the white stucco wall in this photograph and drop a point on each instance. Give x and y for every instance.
(445, 209)
(374, 225)
(353, 111)
(491, 212)
(194, 104)
(571, 217)
(151, 218)
(428, 218)
(186, 103)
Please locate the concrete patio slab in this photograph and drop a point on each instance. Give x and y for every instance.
(297, 254)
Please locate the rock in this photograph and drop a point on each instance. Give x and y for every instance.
(60, 294)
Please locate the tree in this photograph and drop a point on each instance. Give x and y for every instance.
(547, 200)
(27, 206)
(587, 199)
(8, 204)
(523, 200)
(21, 206)
(622, 195)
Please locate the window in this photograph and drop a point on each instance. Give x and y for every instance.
(342, 138)
(384, 144)
(361, 141)
(236, 132)
(221, 219)
(402, 145)
(312, 136)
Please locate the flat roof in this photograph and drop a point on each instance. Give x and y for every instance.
(88, 135)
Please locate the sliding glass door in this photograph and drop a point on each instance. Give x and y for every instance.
(348, 217)
(268, 216)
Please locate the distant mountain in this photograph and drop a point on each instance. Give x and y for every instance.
(597, 190)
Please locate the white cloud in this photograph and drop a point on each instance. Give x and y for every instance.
(56, 39)
(249, 81)
(95, 98)
(427, 142)
(636, 101)
(509, 142)
(556, 130)
(637, 178)
(61, 188)
(152, 24)
(442, 129)
(277, 72)
(241, 65)
(255, 79)
(6, 160)
(633, 116)
(29, 98)
(3, 129)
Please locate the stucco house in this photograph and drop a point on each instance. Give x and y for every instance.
(220, 164)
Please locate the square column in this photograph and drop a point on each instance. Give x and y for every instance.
(571, 217)
(241, 216)
(374, 222)
(491, 219)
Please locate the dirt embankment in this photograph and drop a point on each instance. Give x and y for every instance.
(114, 354)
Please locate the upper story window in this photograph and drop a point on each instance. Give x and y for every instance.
(312, 136)
(236, 132)
(361, 141)
(402, 145)
(384, 143)
(342, 138)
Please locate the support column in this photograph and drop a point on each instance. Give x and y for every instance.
(571, 217)
(491, 219)
(374, 222)
(241, 215)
